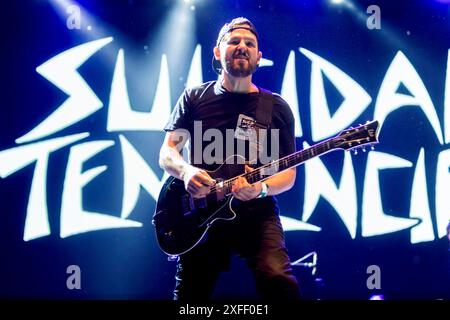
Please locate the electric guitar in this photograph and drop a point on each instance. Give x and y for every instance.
(182, 221)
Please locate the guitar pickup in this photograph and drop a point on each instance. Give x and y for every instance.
(189, 204)
(199, 203)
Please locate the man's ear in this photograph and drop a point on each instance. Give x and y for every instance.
(216, 52)
(259, 57)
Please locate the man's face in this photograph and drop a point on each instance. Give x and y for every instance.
(238, 53)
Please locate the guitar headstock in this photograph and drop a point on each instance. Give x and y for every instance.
(359, 137)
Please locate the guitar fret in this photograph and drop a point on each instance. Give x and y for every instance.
(284, 163)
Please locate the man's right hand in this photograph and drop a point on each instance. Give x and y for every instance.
(197, 182)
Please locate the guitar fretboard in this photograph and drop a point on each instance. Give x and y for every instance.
(276, 166)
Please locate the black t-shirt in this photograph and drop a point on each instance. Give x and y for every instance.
(220, 110)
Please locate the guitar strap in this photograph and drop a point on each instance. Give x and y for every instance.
(263, 120)
(264, 109)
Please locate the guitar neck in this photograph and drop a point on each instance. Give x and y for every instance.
(266, 171)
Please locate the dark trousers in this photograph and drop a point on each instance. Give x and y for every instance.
(259, 238)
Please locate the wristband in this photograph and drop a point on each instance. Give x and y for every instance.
(264, 190)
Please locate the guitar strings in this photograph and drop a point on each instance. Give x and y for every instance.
(288, 160)
(293, 159)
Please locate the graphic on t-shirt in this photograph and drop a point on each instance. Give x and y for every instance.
(245, 129)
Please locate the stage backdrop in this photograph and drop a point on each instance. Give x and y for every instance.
(87, 87)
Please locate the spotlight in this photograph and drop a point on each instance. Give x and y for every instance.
(337, 1)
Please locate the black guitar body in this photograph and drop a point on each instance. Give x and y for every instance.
(181, 222)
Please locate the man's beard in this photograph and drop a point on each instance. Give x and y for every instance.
(240, 69)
